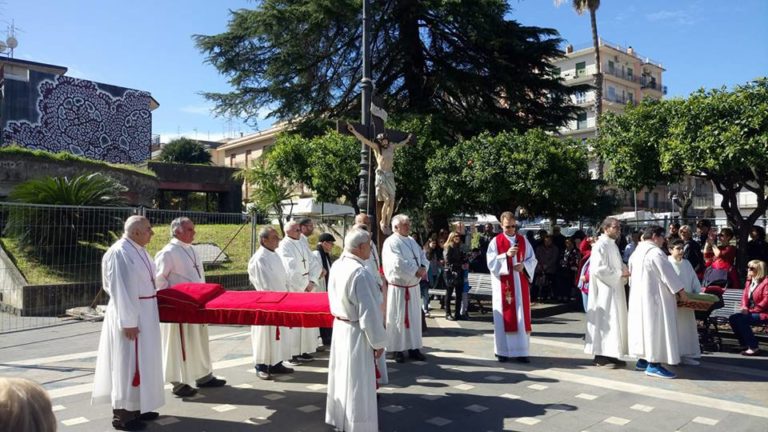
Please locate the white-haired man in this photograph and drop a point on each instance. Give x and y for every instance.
(186, 355)
(405, 264)
(298, 261)
(129, 364)
(358, 339)
(265, 270)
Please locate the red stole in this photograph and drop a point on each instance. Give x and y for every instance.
(509, 308)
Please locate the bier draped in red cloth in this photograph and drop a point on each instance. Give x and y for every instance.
(509, 308)
(198, 303)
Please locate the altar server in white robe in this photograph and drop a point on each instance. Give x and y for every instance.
(687, 332)
(186, 355)
(358, 339)
(316, 270)
(372, 264)
(405, 264)
(129, 365)
(271, 344)
(298, 261)
(606, 336)
(652, 317)
(512, 263)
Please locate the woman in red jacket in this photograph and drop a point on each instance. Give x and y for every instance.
(754, 307)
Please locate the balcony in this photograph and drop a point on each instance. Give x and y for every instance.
(616, 99)
(623, 75)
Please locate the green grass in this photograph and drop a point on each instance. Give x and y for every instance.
(83, 263)
(14, 150)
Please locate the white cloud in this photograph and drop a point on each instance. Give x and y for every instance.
(674, 16)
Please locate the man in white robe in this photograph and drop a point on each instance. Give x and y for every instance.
(652, 317)
(606, 336)
(302, 277)
(271, 344)
(316, 270)
(129, 365)
(373, 264)
(405, 264)
(186, 355)
(687, 331)
(512, 262)
(358, 339)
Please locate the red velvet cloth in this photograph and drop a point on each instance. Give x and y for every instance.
(190, 295)
(249, 308)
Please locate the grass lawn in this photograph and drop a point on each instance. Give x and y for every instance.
(83, 263)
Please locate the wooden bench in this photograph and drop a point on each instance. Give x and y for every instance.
(479, 289)
(731, 305)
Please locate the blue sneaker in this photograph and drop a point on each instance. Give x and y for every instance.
(641, 365)
(658, 371)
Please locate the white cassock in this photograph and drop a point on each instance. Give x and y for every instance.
(687, 332)
(372, 264)
(300, 265)
(266, 273)
(607, 301)
(357, 332)
(186, 355)
(315, 264)
(509, 344)
(128, 278)
(652, 316)
(402, 257)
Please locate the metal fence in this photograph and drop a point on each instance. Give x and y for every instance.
(50, 256)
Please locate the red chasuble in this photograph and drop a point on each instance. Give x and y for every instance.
(509, 307)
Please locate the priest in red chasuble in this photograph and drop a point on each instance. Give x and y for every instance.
(512, 262)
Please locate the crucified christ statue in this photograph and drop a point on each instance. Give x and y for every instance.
(384, 151)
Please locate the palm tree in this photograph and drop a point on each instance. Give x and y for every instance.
(582, 6)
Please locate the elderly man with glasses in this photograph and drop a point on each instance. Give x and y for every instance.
(512, 262)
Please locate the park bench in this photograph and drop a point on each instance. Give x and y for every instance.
(479, 290)
(731, 305)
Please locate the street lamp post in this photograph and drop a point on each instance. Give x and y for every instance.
(367, 200)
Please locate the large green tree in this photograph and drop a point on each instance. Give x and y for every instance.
(185, 150)
(493, 173)
(327, 164)
(461, 61)
(719, 135)
(270, 189)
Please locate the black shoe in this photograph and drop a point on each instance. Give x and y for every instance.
(522, 359)
(603, 361)
(280, 369)
(416, 355)
(149, 416)
(617, 362)
(502, 359)
(449, 317)
(294, 361)
(213, 382)
(306, 358)
(185, 391)
(400, 357)
(132, 425)
(263, 375)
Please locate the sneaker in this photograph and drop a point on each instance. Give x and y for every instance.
(749, 352)
(280, 369)
(263, 375)
(657, 370)
(306, 358)
(185, 391)
(689, 361)
(641, 365)
(294, 361)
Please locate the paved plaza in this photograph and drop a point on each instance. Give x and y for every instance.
(459, 388)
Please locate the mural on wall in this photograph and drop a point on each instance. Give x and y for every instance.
(81, 117)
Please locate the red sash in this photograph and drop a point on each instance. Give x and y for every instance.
(509, 308)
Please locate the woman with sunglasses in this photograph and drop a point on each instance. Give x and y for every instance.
(754, 308)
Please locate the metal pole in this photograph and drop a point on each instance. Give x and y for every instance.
(366, 201)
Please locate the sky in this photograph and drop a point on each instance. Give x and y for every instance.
(147, 45)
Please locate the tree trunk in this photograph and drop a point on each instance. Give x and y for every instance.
(598, 87)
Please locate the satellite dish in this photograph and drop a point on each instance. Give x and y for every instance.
(12, 42)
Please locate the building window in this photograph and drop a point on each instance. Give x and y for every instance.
(556, 71)
(655, 200)
(611, 93)
(611, 66)
(581, 69)
(631, 97)
(232, 160)
(630, 75)
(581, 97)
(581, 121)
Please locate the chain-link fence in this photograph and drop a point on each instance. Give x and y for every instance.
(50, 256)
